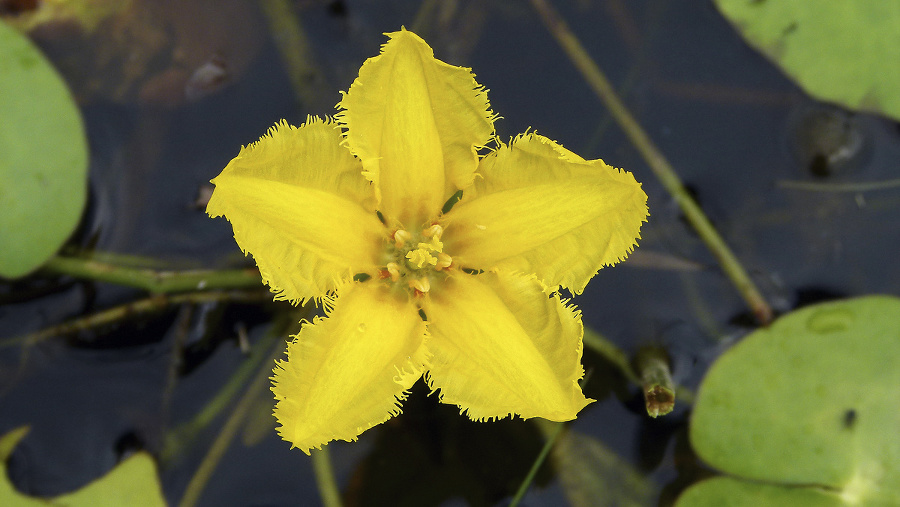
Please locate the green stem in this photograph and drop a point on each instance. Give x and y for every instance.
(551, 431)
(609, 350)
(655, 159)
(328, 490)
(151, 280)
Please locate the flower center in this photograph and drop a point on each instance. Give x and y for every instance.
(413, 258)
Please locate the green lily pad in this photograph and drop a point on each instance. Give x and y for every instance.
(134, 481)
(807, 409)
(43, 157)
(839, 51)
(731, 492)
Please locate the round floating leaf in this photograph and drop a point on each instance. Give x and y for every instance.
(841, 51)
(8, 493)
(809, 406)
(134, 481)
(730, 492)
(43, 157)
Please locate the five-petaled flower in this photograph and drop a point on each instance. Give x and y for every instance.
(361, 214)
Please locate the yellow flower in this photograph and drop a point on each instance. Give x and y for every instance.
(349, 213)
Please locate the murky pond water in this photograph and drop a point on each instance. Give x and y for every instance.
(731, 124)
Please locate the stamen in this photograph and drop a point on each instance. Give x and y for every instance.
(394, 270)
(401, 237)
(434, 231)
(421, 285)
(443, 261)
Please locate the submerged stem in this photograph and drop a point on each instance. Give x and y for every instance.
(858, 186)
(217, 450)
(294, 48)
(152, 304)
(178, 438)
(655, 159)
(551, 431)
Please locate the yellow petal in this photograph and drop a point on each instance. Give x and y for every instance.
(299, 205)
(348, 372)
(501, 346)
(542, 209)
(415, 123)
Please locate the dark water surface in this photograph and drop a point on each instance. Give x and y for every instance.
(730, 123)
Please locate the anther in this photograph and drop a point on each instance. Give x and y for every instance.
(421, 285)
(394, 270)
(443, 261)
(434, 231)
(401, 237)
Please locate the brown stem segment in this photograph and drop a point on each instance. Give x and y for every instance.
(652, 364)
